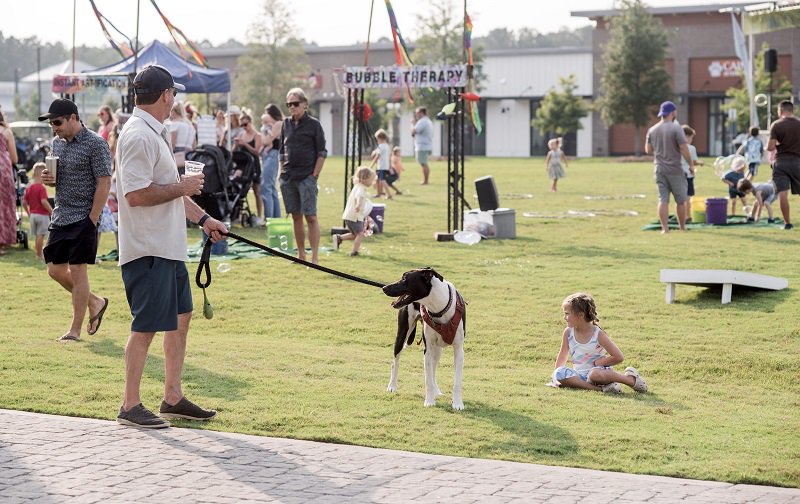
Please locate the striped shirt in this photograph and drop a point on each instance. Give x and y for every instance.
(81, 162)
(584, 354)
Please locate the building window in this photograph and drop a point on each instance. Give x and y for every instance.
(721, 128)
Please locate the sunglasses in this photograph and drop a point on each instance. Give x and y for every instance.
(293, 104)
(174, 91)
(56, 122)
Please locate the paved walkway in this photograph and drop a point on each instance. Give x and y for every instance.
(54, 459)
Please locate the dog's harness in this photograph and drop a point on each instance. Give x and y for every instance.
(446, 330)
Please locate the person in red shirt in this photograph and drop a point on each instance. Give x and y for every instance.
(38, 208)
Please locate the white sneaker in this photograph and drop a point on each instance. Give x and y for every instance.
(611, 388)
(337, 240)
(639, 385)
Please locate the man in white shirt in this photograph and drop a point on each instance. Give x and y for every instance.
(154, 203)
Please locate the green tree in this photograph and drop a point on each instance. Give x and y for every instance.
(27, 111)
(739, 99)
(442, 43)
(560, 112)
(634, 79)
(275, 61)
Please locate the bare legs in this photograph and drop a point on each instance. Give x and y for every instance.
(426, 171)
(300, 236)
(783, 198)
(599, 377)
(74, 278)
(174, 353)
(663, 216)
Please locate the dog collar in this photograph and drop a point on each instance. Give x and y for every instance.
(449, 302)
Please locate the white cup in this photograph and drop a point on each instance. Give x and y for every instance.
(192, 168)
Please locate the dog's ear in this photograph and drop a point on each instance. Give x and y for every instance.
(430, 273)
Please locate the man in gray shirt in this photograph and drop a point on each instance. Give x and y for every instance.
(422, 131)
(668, 143)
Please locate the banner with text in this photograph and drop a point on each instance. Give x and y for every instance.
(429, 76)
(73, 83)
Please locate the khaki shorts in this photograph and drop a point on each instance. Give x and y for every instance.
(40, 225)
(422, 156)
(676, 184)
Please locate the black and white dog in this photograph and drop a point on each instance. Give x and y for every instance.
(423, 293)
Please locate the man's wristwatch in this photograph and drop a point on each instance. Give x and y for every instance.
(203, 219)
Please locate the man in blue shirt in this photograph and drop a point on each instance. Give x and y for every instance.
(82, 181)
(302, 155)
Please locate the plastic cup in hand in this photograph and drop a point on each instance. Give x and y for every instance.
(193, 168)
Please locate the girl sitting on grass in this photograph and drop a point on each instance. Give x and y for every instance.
(591, 350)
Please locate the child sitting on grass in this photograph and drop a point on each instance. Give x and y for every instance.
(764, 194)
(731, 178)
(592, 352)
(357, 209)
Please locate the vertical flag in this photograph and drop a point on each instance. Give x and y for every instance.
(400, 49)
(472, 106)
(741, 52)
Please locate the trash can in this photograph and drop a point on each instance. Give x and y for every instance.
(505, 223)
(378, 212)
(716, 210)
(280, 233)
(698, 209)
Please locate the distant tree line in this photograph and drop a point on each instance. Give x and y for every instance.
(530, 38)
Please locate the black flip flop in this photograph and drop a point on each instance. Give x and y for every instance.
(97, 318)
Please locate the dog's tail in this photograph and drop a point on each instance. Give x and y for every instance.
(407, 318)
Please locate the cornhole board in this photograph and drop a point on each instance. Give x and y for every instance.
(726, 278)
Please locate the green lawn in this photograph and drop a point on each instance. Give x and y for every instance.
(293, 352)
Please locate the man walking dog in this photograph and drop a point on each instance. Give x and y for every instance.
(154, 203)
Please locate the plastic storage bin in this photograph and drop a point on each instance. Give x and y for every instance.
(378, 214)
(698, 209)
(280, 233)
(716, 210)
(505, 223)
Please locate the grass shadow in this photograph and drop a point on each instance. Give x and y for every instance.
(207, 383)
(527, 436)
(593, 252)
(742, 297)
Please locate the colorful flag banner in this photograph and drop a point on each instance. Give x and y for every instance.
(186, 47)
(122, 48)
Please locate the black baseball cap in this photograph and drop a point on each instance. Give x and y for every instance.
(60, 107)
(154, 79)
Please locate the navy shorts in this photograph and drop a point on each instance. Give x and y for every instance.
(74, 243)
(300, 196)
(690, 186)
(158, 291)
(382, 174)
(391, 178)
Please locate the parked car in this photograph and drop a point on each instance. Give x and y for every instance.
(33, 140)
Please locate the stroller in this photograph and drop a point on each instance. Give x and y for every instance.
(20, 183)
(228, 178)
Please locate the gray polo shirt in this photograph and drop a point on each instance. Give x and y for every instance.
(81, 162)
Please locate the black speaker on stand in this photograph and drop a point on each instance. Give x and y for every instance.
(487, 193)
(770, 66)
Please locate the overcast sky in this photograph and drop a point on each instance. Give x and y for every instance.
(326, 22)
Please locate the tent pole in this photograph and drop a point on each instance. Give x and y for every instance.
(227, 117)
(136, 50)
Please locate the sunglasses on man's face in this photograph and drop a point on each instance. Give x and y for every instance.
(293, 104)
(56, 122)
(174, 91)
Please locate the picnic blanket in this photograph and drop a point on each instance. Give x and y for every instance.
(733, 220)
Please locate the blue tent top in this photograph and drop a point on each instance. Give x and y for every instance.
(196, 78)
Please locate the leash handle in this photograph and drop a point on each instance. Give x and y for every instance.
(204, 265)
(294, 259)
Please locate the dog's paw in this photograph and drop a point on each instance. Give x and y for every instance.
(429, 403)
(458, 406)
(391, 388)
